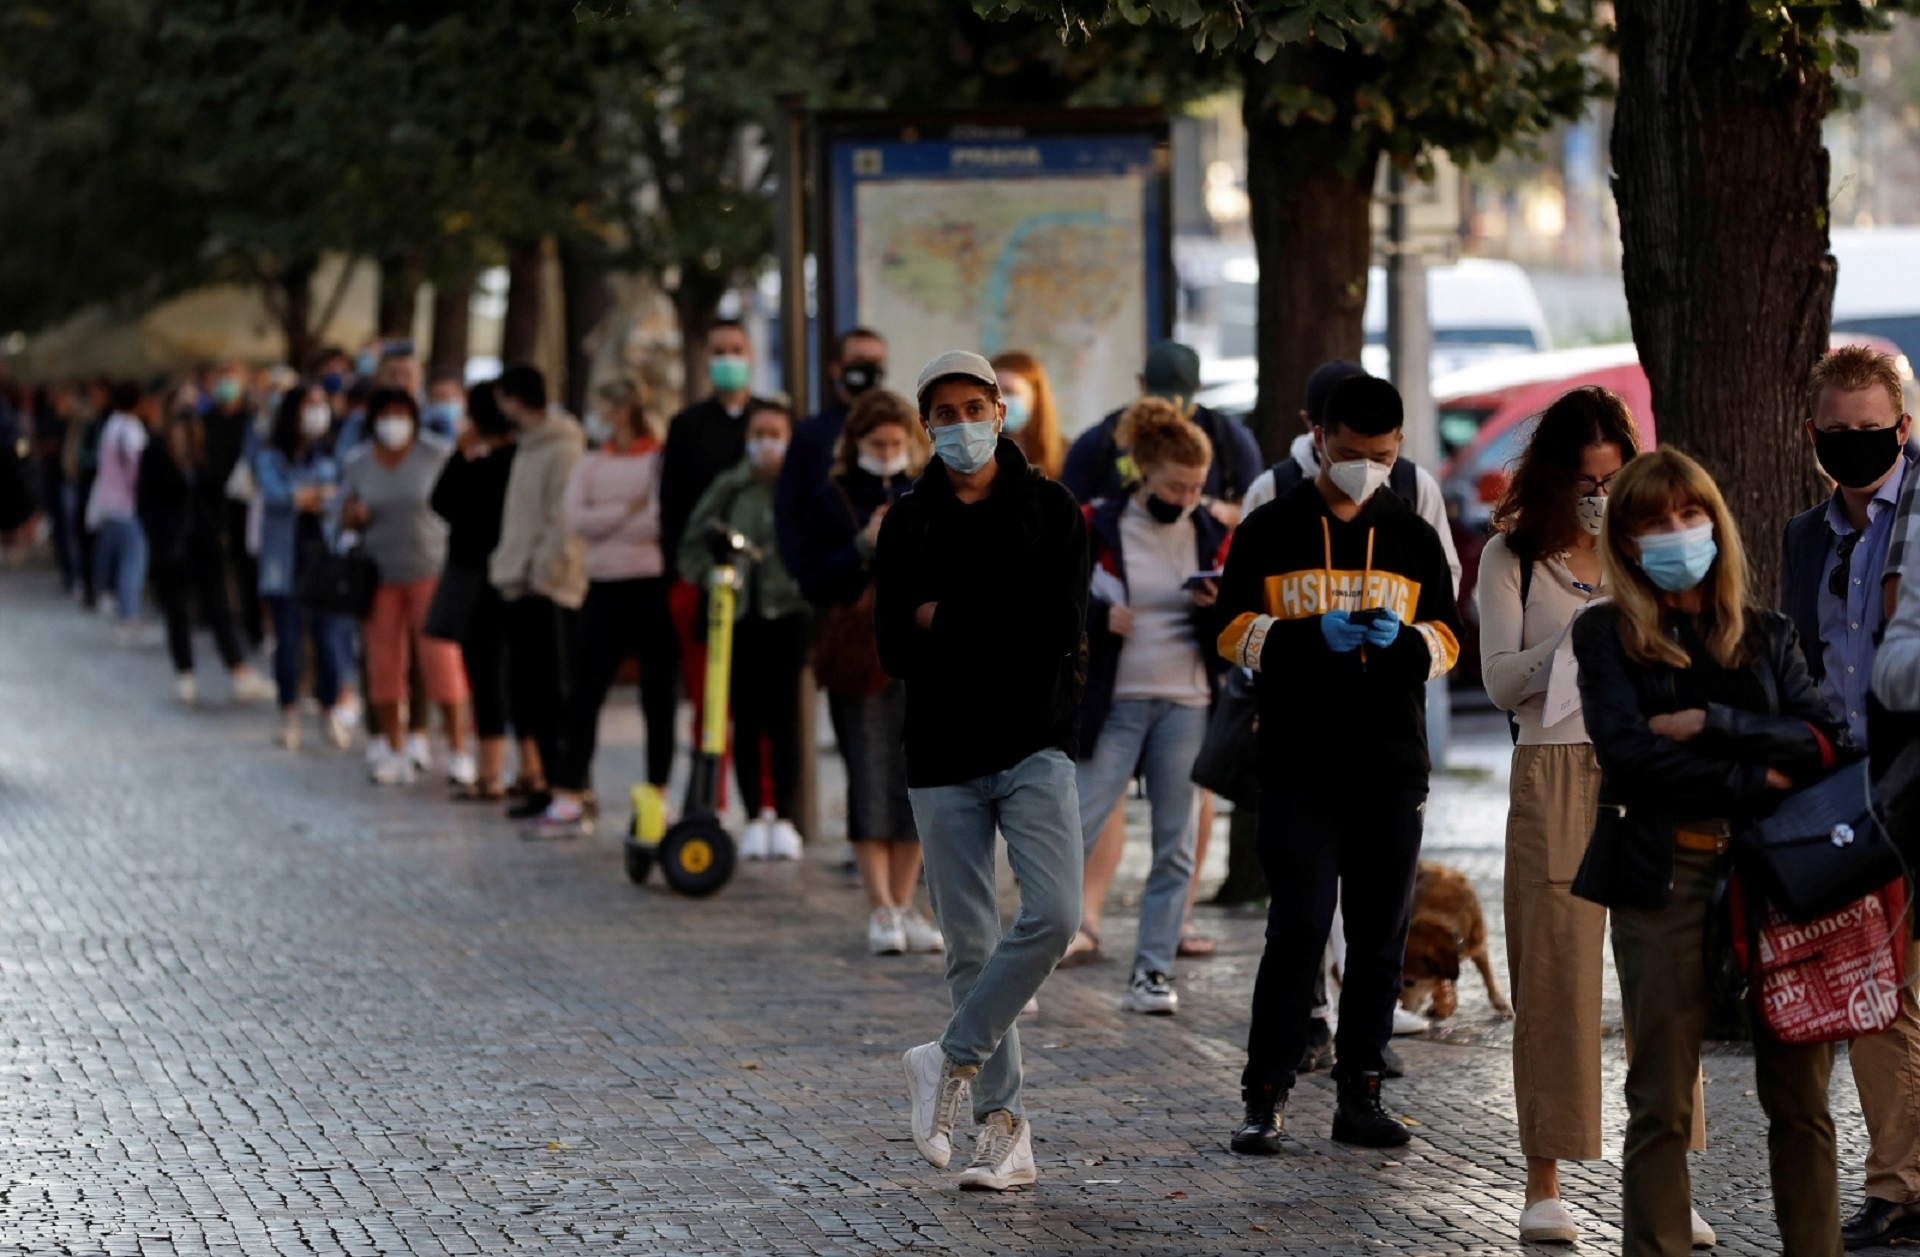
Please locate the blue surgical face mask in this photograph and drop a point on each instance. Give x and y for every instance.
(1677, 561)
(1019, 410)
(966, 447)
(728, 374)
(442, 415)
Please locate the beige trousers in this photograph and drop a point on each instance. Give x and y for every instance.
(1554, 960)
(1886, 1069)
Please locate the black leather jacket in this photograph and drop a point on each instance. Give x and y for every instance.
(1649, 781)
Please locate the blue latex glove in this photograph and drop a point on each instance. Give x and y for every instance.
(1340, 633)
(1383, 630)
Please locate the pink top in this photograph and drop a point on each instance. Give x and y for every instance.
(116, 485)
(613, 504)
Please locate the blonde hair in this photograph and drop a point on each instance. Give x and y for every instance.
(1157, 432)
(876, 408)
(1040, 440)
(1643, 492)
(1853, 368)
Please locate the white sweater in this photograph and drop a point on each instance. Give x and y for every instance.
(613, 504)
(1514, 653)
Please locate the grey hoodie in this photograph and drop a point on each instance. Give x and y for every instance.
(536, 554)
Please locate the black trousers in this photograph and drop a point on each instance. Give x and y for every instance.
(540, 646)
(619, 619)
(1362, 843)
(483, 648)
(246, 577)
(767, 658)
(196, 574)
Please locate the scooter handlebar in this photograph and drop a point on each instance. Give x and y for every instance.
(724, 544)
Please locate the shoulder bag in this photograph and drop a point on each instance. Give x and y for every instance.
(1822, 848)
(339, 582)
(1229, 760)
(846, 654)
(1836, 976)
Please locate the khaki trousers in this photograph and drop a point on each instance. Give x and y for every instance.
(1663, 986)
(1886, 1069)
(1554, 961)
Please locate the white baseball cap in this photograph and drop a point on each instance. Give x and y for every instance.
(955, 362)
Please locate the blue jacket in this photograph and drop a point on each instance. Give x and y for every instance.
(809, 463)
(275, 478)
(1103, 647)
(1097, 467)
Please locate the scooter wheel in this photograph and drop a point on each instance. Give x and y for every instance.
(639, 861)
(696, 857)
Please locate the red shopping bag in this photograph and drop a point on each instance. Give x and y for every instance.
(1835, 977)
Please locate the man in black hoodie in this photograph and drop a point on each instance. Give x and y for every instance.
(1342, 604)
(980, 597)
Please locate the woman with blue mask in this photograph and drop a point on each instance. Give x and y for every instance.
(1032, 421)
(1702, 715)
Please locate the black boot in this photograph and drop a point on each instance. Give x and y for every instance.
(1319, 1051)
(1360, 1118)
(1259, 1134)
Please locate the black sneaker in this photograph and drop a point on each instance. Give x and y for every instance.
(1259, 1133)
(531, 804)
(1360, 1118)
(1319, 1053)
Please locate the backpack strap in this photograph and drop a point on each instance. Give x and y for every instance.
(1404, 480)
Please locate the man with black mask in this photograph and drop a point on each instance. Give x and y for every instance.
(1834, 560)
(859, 364)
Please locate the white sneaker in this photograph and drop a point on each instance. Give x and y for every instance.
(394, 769)
(754, 840)
(1548, 1222)
(1703, 1236)
(1002, 1155)
(339, 730)
(1405, 1022)
(289, 731)
(462, 768)
(922, 934)
(1031, 1008)
(884, 934)
(1151, 991)
(936, 1096)
(419, 751)
(186, 689)
(783, 841)
(250, 687)
(377, 750)
(348, 709)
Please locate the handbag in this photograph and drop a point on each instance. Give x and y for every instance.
(1837, 976)
(1822, 848)
(846, 654)
(339, 582)
(1228, 762)
(454, 597)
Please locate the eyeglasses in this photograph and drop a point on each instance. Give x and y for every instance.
(1844, 544)
(1589, 487)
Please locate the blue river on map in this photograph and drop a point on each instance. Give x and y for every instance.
(994, 300)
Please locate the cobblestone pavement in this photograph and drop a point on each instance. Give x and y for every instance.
(254, 1005)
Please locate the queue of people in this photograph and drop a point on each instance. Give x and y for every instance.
(1010, 631)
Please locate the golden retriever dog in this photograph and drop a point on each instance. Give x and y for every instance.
(1447, 928)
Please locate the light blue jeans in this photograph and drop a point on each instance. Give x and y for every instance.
(1162, 739)
(120, 563)
(992, 971)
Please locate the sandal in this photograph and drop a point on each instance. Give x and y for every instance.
(520, 787)
(1195, 945)
(479, 792)
(1083, 950)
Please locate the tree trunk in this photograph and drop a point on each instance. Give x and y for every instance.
(1310, 200)
(293, 302)
(520, 327)
(452, 299)
(694, 301)
(1721, 179)
(583, 270)
(399, 293)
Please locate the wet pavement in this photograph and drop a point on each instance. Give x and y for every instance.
(254, 1005)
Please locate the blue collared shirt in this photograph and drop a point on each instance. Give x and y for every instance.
(1850, 625)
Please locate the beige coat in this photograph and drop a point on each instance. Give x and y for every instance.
(536, 554)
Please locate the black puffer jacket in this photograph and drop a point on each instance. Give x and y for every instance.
(1648, 781)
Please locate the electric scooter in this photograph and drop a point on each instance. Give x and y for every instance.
(696, 855)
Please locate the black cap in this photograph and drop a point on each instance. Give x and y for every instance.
(1320, 387)
(1172, 371)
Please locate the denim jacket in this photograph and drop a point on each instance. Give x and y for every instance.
(275, 479)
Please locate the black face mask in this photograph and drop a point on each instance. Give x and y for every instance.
(1165, 512)
(858, 377)
(1856, 457)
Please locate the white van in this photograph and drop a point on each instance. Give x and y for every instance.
(1878, 291)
